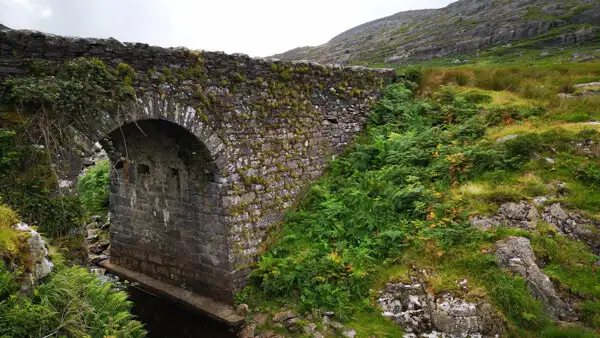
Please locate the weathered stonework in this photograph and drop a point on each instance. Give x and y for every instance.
(213, 150)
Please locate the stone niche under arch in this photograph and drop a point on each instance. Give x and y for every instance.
(165, 208)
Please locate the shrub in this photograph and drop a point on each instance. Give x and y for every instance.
(27, 184)
(461, 77)
(92, 188)
(7, 217)
(535, 90)
(476, 97)
(498, 79)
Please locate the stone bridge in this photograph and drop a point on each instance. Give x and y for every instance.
(215, 150)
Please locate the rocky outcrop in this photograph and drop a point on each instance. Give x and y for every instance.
(526, 216)
(36, 262)
(517, 215)
(516, 255)
(574, 225)
(95, 155)
(419, 312)
(583, 89)
(460, 27)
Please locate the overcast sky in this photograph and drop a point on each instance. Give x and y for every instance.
(254, 27)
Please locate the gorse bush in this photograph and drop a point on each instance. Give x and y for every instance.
(92, 188)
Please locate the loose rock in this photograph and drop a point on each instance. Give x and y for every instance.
(506, 138)
(98, 247)
(241, 310)
(285, 315)
(349, 334)
(336, 325)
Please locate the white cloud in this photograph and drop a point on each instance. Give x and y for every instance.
(43, 11)
(46, 12)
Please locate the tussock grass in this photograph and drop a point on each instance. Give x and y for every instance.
(539, 83)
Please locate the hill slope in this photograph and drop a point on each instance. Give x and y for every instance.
(460, 27)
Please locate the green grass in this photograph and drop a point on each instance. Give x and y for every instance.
(369, 324)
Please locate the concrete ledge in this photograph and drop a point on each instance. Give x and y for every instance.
(219, 311)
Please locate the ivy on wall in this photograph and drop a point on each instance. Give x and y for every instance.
(39, 116)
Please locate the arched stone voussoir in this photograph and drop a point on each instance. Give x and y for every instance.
(157, 108)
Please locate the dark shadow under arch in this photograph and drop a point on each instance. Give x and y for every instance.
(165, 207)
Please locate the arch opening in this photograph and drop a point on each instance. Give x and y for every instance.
(164, 206)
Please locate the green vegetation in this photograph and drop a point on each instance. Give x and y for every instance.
(70, 302)
(92, 188)
(27, 183)
(400, 200)
(35, 112)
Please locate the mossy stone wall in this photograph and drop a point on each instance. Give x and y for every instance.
(268, 127)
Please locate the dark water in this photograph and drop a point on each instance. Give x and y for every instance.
(166, 320)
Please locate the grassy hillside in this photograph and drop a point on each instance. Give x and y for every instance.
(398, 204)
(464, 26)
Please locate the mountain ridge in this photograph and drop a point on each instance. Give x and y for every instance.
(462, 26)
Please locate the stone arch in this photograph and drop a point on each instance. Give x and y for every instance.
(159, 108)
(165, 199)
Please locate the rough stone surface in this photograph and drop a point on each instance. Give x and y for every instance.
(211, 153)
(461, 27)
(260, 318)
(421, 313)
(285, 315)
(309, 328)
(38, 266)
(588, 85)
(574, 225)
(247, 331)
(516, 254)
(519, 215)
(506, 138)
(349, 334)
